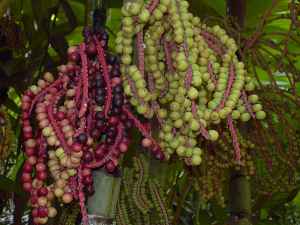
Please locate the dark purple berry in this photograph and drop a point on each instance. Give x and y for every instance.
(82, 138)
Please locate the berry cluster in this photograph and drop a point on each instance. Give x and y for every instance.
(187, 75)
(73, 124)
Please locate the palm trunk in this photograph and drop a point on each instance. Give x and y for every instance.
(102, 205)
(239, 186)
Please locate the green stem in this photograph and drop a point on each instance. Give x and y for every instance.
(239, 197)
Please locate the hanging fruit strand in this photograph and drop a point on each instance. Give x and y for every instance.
(101, 58)
(140, 52)
(84, 81)
(81, 196)
(235, 141)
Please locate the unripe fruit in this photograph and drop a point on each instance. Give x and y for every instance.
(180, 151)
(260, 115)
(193, 93)
(213, 135)
(58, 192)
(52, 212)
(196, 160)
(144, 16)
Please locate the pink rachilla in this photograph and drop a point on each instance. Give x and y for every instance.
(189, 73)
(168, 56)
(81, 196)
(247, 104)
(154, 105)
(152, 5)
(89, 122)
(102, 60)
(213, 42)
(229, 86)
(234, 137)
(140, 52)
(82, 126)
(108, 157)
(136, 122)
(42, 146)
(84, 81)
(73, 186)
(43, 92)
(55, 126)
(78, 91)
(145, 132)
(203, 131)
(211, 73)
(214, 47)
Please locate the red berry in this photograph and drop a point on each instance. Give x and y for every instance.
(41, 176)
(123, 147)
(35, 213)
(40, 167)
(43, 211)
(60, 115)
(110, 167)
(27, 187)
(30, 151)
(43, 191)
(26, 177)
(27, 167)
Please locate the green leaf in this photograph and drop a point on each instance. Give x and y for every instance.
(8, 185)
(79, 9)
(206, 8)
(296, 200)
(219, 213)
(204, 218)
(218, 5)
(114, 4)
(256, 8)
(60, 44)
(75, 37)
(12, 174)
(264, 214)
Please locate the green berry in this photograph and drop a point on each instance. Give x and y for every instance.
(59, 152)
(235, 114)
(260, 115)
(188, 152)
(193, 93)
(135, 8)
(253, 99)
(197, 151)
(213, 135)
(144, 16)
(142, 109)
(245, 117)
(178, 123)
(257, 107)
(188, 116)
(182, 65)
(180, 151)
(195, 126)
(196, 160)
(162, 113)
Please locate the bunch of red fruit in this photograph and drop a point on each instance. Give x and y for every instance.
(74, 123)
